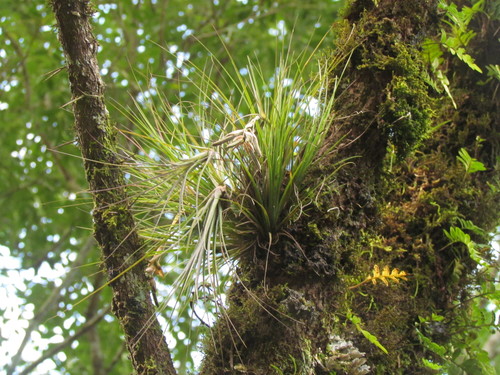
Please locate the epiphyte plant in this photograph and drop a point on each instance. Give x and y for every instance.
(219, 178)
(385, 276)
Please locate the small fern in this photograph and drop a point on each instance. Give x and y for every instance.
(456, 235)
(385, 276)
(460, 34)
(370, 337)
(470, 164)
(454, 40)
(493, 71)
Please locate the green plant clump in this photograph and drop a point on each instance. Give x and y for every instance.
(223, 178)
(406, 113)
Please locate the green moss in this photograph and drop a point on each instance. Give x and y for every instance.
(392, 70)
(313, 228)
(269, 322)
(406, 114)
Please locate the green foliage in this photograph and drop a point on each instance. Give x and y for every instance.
(493, 71)
(474, 321)
(46, 220)
(373, 339)
(464, 354)
(222, 178)
(460, 34)
(454, 41)
(431, 365)
(457, 235)
(470, 164)
(294, 364)
(469, 225)
(428, 343)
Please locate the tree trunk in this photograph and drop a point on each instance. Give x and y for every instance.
(291, 308)
(115, 230)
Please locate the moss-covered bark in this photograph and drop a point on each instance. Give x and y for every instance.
(114, 225)
(290, 308)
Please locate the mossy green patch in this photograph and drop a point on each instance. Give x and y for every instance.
(406, 114)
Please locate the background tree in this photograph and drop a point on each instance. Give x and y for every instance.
(45, 234)
(391, 209)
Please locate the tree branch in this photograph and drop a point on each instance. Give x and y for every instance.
(114, 224)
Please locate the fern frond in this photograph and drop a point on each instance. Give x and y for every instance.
(385, 276)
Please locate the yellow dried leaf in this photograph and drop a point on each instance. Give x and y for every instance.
(384, 276)
(376, 271)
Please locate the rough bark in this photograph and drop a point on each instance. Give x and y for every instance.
(122, 249)
(387, 209)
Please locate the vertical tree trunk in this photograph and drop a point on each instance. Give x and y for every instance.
(114, 225)
(291, 310)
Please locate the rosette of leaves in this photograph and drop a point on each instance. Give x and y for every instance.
(214, 179)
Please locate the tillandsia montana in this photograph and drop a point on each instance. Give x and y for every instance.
(220, 178)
